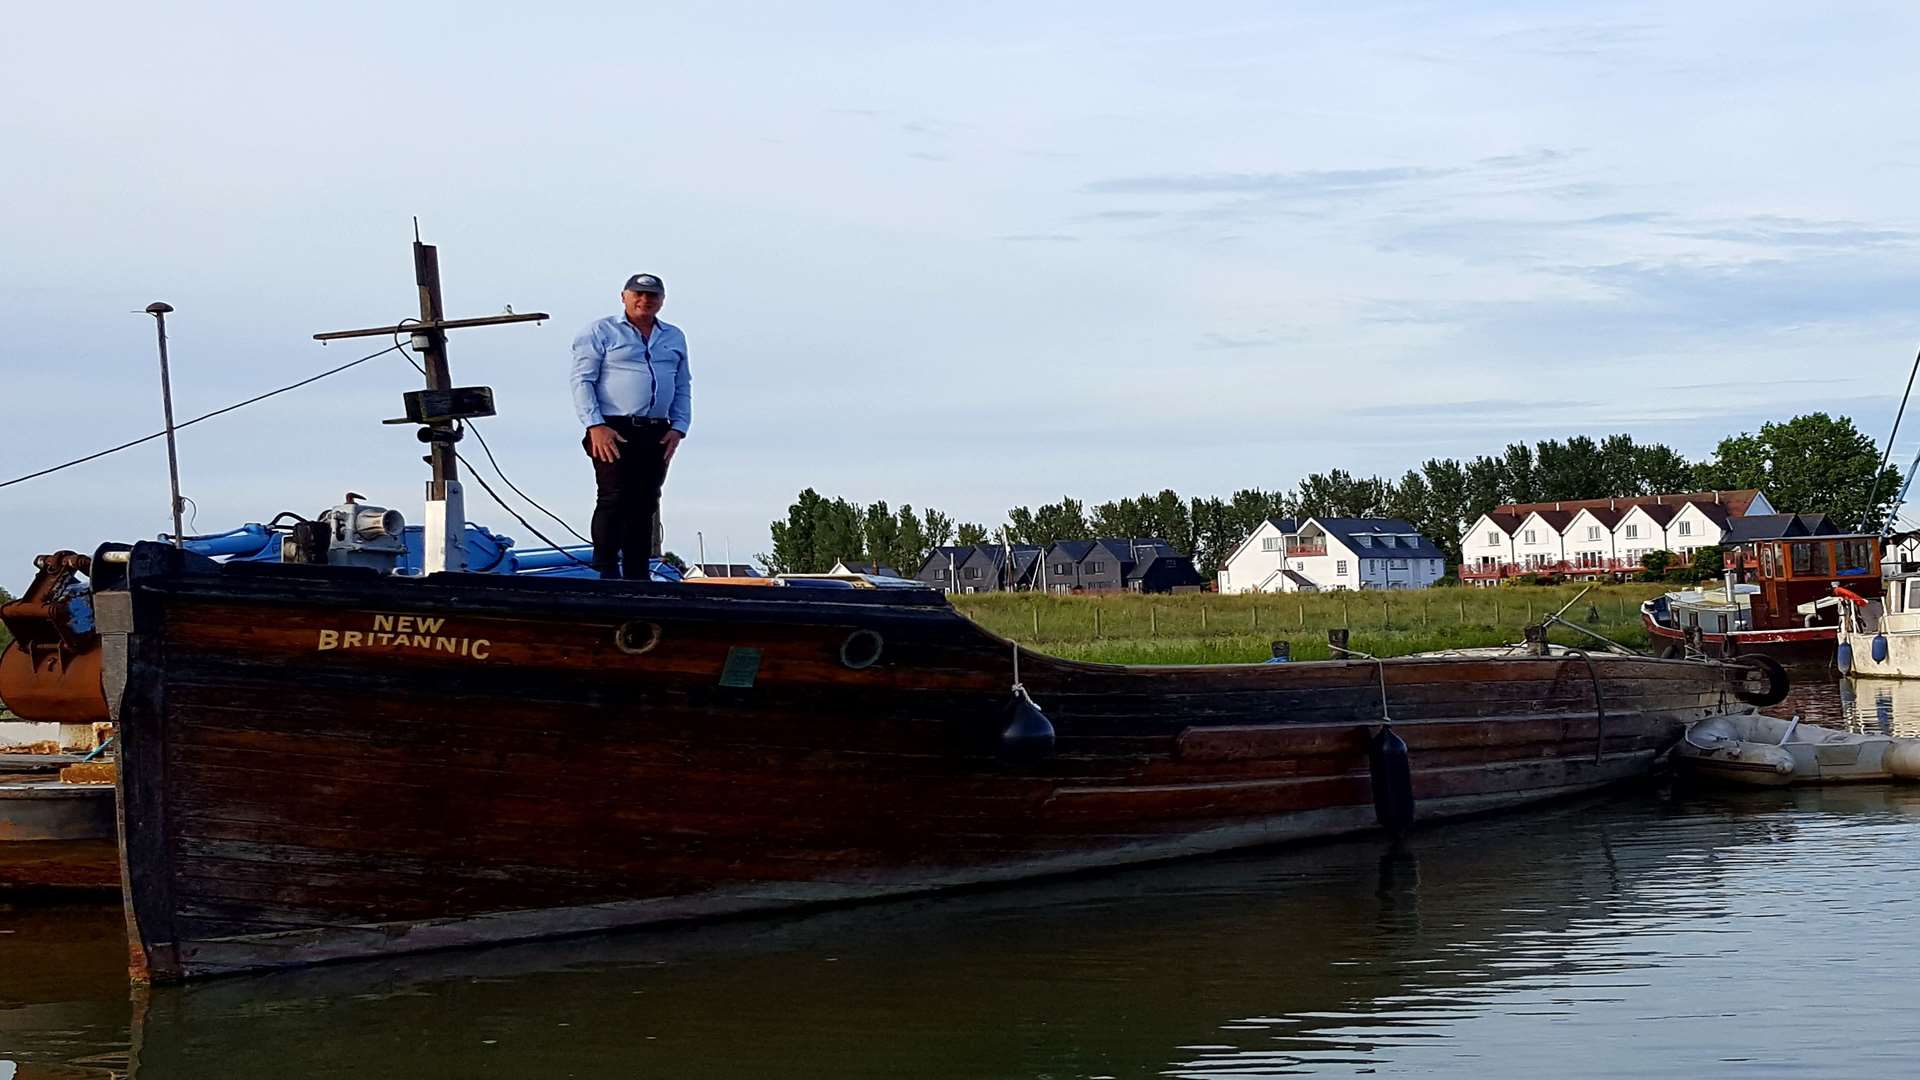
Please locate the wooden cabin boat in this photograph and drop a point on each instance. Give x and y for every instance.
(327, 762)
(1778, 600)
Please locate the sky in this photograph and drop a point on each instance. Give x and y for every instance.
(963, 256)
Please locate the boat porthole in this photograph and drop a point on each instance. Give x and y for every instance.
(861, 649)
(636, 637)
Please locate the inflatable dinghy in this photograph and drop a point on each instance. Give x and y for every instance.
(1768, 752)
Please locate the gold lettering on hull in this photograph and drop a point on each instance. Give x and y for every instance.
(416, 633)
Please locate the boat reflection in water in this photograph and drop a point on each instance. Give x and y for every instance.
(1520, 945)
(1861, 704)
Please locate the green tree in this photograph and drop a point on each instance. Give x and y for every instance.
(836, 533)
(793, 548)
(1519, 479)
(971, 534)
(936, 528)
(1658, 469)
(1216, 533)
(1709, 562)
(881, 531)
(911, 545)
(1811, 463)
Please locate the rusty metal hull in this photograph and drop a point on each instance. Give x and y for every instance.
(322, 765)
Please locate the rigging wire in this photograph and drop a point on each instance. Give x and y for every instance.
(482, 481)
(502, 473)
(95, 456)
(1887, 455)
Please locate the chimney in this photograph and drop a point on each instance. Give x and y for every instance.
(1556, 507)
(1716, 496)
(1610, 503)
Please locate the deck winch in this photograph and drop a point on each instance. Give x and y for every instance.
(351, 534)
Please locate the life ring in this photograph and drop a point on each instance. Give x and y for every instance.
(1777, 680)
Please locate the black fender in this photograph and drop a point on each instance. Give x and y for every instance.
(1778, 681)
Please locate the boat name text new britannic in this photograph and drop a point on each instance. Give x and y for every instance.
(406, 632)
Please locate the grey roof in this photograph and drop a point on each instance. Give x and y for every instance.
(716, 569)
(1168, 561)
(1301, 580)
(937, 558)
(1778, 527)
(1418, 547)
(868, 567)
(1072, 549)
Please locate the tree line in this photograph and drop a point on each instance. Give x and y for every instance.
(1811, 463)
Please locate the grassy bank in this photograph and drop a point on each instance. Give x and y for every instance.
(1202, 628)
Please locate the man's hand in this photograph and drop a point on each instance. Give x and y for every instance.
(604, 443)
(671, 440)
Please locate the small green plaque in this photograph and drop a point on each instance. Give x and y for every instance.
(741, 667)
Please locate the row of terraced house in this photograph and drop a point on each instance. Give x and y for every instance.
(1599, 538)
(1104, 565)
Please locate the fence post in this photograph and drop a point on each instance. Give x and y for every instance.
(1423, 613)
(1346, 614)
(1386, 612)
(1303, 614)
(1496, 611)
(1463, 613)
(1153, 621)
(1036, 622)
(1203, 616)
(1096, 618)
(1254, 616)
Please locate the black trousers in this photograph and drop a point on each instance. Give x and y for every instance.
(626, 497)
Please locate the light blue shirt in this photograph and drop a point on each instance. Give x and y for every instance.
(616, 372)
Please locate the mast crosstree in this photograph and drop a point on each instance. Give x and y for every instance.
(438, 409)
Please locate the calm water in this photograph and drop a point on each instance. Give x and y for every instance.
(1648, 934)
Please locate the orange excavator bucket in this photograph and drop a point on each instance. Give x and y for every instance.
(51, 671)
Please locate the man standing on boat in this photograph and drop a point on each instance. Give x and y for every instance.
(634, 394)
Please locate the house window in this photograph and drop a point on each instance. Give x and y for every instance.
(1493, 539)
(1270, 543)
(971, 573)
(1299, 565)
(1527, 537)
(1593, 532)
(938, 575)
(1397, 564)
(1686, 528)
(1340, 567)
(1096, 568)
(1062, 568)
(1633, 532)
(1365, 541)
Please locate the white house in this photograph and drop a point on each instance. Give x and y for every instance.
(1539, 544)
(1642, 529)
(1695, 526)
(1487, 544)
(1590, 538)
(1257, 564)
(1332, 553)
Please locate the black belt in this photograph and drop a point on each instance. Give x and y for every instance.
(639, 421)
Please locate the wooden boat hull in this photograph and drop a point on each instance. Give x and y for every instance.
(320, 764)
(1804, 646)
